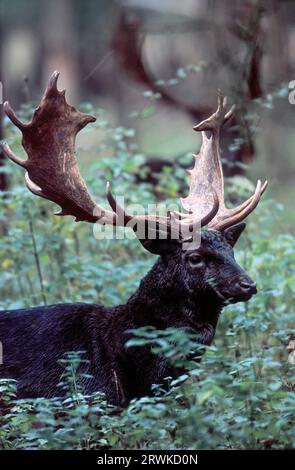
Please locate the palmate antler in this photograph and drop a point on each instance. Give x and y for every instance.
(207, 176)
(52, 171)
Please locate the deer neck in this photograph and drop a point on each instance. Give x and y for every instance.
(158, 303)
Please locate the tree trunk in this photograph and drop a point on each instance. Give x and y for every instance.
(3, 178)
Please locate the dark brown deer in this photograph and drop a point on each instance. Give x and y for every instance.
(186, 288)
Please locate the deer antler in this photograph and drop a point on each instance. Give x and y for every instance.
(52, 171)
(207, 175)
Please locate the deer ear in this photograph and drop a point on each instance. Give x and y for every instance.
(232, 234)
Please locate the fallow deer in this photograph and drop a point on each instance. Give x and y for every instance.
(187, 287)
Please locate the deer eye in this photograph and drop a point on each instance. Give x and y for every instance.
(195, 260)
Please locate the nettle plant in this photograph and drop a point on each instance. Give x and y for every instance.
(187, 287)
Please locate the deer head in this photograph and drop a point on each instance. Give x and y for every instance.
(52, 173)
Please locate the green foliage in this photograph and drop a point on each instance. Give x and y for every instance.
(238, 396)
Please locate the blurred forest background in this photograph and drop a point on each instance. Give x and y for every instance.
(131, 57)
(149, 70)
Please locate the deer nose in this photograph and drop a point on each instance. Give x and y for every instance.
(248, 287)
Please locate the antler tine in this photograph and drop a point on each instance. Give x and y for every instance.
(11, 155)
(217, 119)
(236, 210)
(34, 188)
(52, 84)
(13, 117)
(117, 209)
(207, 175)
(232, 219)
(211, 214)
